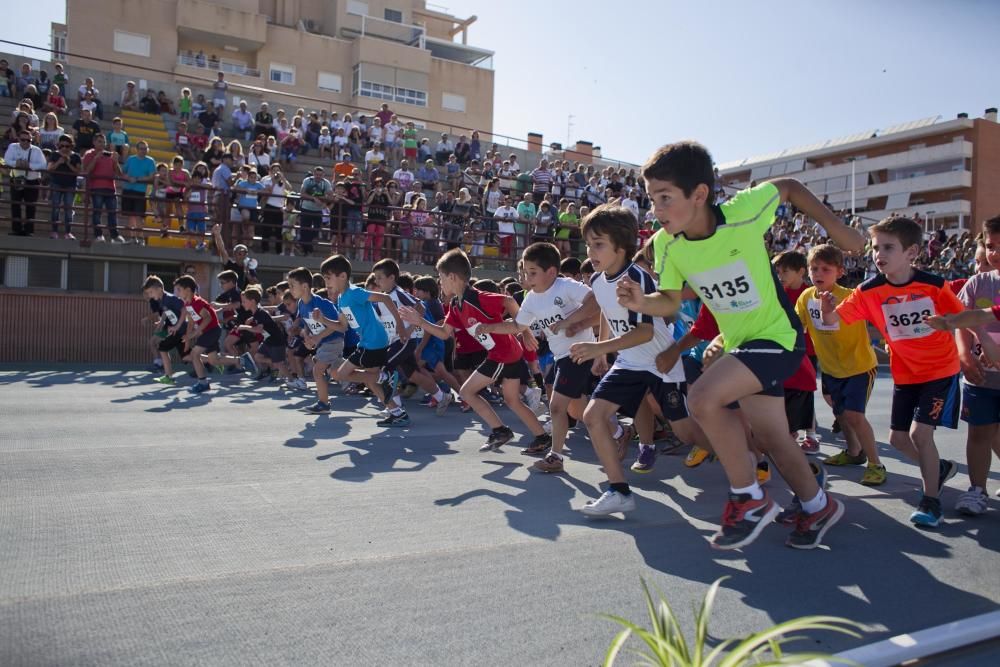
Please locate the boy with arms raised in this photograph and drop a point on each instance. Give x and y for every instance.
(848, 362)
(470, 309)
(924, 362)
(720, 252)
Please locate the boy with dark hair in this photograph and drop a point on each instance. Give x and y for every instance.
(610, 234)
(924, 362)
(202, 337)
(168, 310)
(570, 268)
(791, 268)
(432, 352)
(551, 300)
(470, 309)
(720, 252)
(313, 311)
(273, 347)
(848, 362)
(356, 306)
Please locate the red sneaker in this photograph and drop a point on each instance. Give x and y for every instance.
(742, 520)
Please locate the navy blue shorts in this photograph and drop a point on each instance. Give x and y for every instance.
(627, 388)
(569, 378)
(934, 403)
(980, 405)
(672, 398)
(850, 393)
(400, 355)
(770, 363)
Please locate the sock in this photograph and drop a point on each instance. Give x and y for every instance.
(620, 487)
(816, 504)
(619, 431)
(539, 380)
(754, 490)
(397, 401)
(643, 444)
(396, 411)
(812, 434)
(439, 395)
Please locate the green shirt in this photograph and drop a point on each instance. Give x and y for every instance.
(409, 138)
(731, 271)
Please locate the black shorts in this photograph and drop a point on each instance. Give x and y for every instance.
(935, 403)
(850, 393)
(770, 363)
(799, 410)
(401, 355)
(672, 398)
(208, 341)
(172, 342)
(274, 353)
(570, 378)
(298, 347)
(133, 203)
(363, 358)
(627, 388)
(692, 368)
(516, 370)
(470, 361)
(449, 355)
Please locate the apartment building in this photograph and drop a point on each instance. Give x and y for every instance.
(351, 54)
(947, 171)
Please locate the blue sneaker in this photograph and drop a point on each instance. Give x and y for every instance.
(928, 513)
(646, 460)
(946, 470)
(402, 419)
(318, 408)
(249, 364)
(199, 387)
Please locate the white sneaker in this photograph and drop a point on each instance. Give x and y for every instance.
(533, 397)
(973, 502)
(609, 503)
(442, 406)
(119, 239)
(100, 239)
(547, 427)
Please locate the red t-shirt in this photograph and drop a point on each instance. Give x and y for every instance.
(793, 297)
(477, 307)
(957, 285)
(996, 311)
(464, 343)
(199, 141)
(103, 175)
(201, 313)
(705, 327)
(918, 353)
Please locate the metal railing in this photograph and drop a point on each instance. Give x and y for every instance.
(217, 65)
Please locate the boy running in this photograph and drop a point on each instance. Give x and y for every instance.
(202, 332)
(328, 343)
(170, 310)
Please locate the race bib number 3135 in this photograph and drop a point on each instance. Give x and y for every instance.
(727, 289)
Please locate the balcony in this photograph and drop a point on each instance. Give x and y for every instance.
(212, 23)
(462, 53)
(359, 25)
(229, 67)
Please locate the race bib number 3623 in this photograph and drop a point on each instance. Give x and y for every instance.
(727, 289)
(908, 319)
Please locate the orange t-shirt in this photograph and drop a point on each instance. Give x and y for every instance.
(917, 352)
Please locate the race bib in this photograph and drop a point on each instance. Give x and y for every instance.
(195, 317)
(485, 340)
(727, 289)
(816, 315)
(170, 317)
(195, 196)
(349, 314)
(908, 319)
(314, 326)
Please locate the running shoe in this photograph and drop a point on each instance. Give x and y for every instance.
(167, 380)
(491, 397)
(789, 515)
(300, 384)
(973, 502)
(875, 475)
(836, 426)
(610, 502)
(628, 432)
(547, 427)
(842, 458)
(696, 457)
(763, 472)
(249, 364)
(742, 520)
(428, 399)
(498, 438)
(810, 528)
(442, 406)
(646, 460)
(551, 463)
(69, 236)
(533, 399)
(809, 444)
(538, 446)
(220, 369)
(928, 513)
(395, 421)
(946, 470)
(318, 408)
(199, 387)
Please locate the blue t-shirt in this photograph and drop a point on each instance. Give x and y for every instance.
(685, 320)
(139, 167)
(361, 316)
(431, 307)
(248, 200)
(329, 311)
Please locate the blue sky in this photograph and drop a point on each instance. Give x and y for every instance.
(742, 78)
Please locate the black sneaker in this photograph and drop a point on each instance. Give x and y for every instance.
(946, 470)
(395, 421)
(810, 528)
(539, 445)
(742, 520)
(498, 438)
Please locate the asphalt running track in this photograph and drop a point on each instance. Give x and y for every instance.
(141, 525)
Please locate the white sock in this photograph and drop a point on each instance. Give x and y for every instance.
(812, 434)
(644, 444)
(619, 431)
(754, 490)
(816, 504)
(397, 401)
(439, 396)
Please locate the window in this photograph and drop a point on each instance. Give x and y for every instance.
(357, 7)
(414, 97)
(45, 272)
(379, 91)
(393, 15)
(282, 74)
(84, 275)
(124, 276)
(133, 43)
(59, 46)
(331, 82)
(452, 102)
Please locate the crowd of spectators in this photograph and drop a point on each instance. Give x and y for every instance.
(385, 191)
